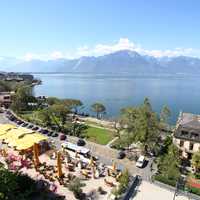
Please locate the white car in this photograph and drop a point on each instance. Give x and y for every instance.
(140, 162)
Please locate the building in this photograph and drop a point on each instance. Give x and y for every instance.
(186, 135)
(5, 98)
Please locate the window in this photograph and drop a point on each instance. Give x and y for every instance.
(194, 135)
(191, 146)
(184, 133)
(181, 143)
(6, 97)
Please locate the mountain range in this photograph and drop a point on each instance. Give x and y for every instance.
(118, 62)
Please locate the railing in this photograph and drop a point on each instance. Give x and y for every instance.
(131, 190)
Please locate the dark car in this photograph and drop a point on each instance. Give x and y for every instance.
(24, 125)
(80, 142)
(35, 128)
(54, 134)
(12, 119)
(8, 112)
(44, 131)
(30, 126)
(19, 122)
(63, 137)
(121, 155)
(50, 133)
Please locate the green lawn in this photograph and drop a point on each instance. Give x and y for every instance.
(99, 135)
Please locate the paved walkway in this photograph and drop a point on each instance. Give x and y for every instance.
(107, 155)
(149, 191)
(3, 119)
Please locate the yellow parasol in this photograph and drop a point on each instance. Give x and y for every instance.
(5, 127)
(91, 162)
(59, 165)
(114, 167)
(94, 171)
(35, 152)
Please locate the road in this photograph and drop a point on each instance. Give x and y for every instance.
(3, 119)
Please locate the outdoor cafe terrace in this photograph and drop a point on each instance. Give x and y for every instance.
(21, 151)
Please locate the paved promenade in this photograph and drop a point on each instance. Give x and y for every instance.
(149, 191)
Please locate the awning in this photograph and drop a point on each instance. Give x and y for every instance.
(5, 127)
(21, 138)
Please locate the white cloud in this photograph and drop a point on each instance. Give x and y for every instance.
(121, 44)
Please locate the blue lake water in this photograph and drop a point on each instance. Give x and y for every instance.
(178, 92)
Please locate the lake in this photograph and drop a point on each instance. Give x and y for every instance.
(178, 92)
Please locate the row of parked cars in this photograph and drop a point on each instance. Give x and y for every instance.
(33, 127)
(44, 131)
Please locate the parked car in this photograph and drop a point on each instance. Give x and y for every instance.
(54, 134)
(35, 128)
(30, 126)
(19, 122)
(50, 133)
(24, 124)
(140, 162)
(12, 118)
(63, 137)
(121, 155)
(80, 142)
(44, 131)
(8, 112)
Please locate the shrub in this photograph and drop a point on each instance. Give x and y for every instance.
(197, 175)
(123, 184)
(165, 180)
(75, 186)
(194, 190)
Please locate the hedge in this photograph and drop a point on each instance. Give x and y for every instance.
(163, 179)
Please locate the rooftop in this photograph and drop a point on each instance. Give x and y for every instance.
(188, 127)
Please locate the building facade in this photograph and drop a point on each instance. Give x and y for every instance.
(186, 135)
(5, 98)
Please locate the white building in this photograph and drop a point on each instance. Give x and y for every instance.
(186, 135)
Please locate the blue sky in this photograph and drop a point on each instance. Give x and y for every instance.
(71, 28)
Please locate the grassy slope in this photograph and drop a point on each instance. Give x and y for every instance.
(99, 135)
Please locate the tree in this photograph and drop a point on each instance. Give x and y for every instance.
(168, 165)
(164, 117)
(118, 126)
(4, 86)
(141, 124)
(196, 161)
(148, 126)
(129, 118)
(61, 112)
(73, 104)
(98, 108)
(22, 97)
(45, 117)
(15, 186)
(52, 100)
